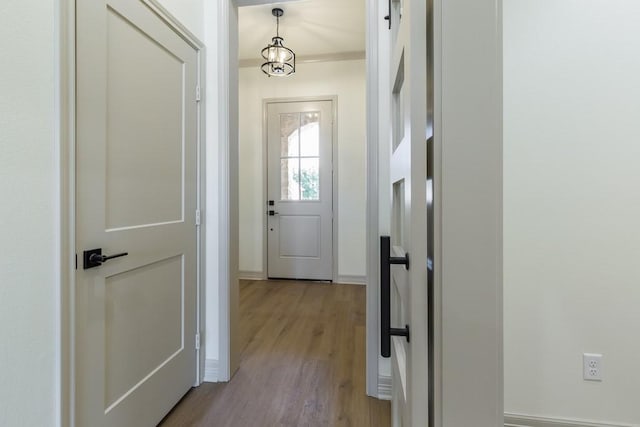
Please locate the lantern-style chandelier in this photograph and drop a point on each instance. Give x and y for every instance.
(281, 61)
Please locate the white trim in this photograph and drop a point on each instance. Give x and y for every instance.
(346, 279)
(436, 67)
(223, 188)
(335, 209)
(343, 279)
(385, 387)
(518, 420)
(252, 275)
(211, 370)
(64, 193)
(265, 190)
(334, 164)
(201, 311)
(227, 196)
(310, 59)
(469, 384)
(372, 311)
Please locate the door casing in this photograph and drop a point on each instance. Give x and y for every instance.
(468, 212)
(225, 40)
(65, 96)
(334, 181)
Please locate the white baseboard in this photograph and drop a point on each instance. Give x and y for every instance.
(517, 420)
(346, 279)
(384, 387)
(211, 371)
(251, 275)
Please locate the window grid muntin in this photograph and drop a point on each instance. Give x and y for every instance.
(312, 186)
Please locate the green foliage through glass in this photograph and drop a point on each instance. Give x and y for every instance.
(309, 184)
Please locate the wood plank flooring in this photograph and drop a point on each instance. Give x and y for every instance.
(302, 363)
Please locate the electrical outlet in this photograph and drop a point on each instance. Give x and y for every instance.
(592, 367)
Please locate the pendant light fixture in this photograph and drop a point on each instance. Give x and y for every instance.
(281, 61)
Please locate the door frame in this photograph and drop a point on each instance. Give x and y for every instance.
(376, 385)
(225, 40)
(65, 186)
(334, 179)
(467, 173)
(463, 29)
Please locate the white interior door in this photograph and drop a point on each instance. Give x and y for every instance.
(408, 173)
(300, 190)
(136, 178)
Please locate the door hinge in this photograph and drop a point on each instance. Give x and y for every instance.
(197, 341)
(198, 96)
(198, 217)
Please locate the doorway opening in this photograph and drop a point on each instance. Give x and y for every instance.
(322, 74)
(357, 164)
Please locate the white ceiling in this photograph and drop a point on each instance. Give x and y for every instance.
(309, 27)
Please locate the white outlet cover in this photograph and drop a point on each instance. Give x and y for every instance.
(592, 367)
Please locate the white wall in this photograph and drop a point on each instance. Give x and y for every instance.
(346, 79)
(572, 207)
(28, 383)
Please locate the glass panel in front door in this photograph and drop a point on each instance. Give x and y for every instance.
(300, 156)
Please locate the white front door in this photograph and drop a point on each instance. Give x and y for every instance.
(135, 320)
(408, 172)
(300, 190)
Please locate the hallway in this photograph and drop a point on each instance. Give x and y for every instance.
(302, 362)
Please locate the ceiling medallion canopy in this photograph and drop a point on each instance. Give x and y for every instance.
(280, 60)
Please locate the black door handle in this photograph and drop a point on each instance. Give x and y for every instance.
(94, 258)
(386, 331)
(272, 213)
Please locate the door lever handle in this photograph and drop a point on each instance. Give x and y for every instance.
(103, 258)
(94, 258)
(272, 213)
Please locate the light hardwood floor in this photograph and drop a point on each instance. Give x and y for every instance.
(302, 363)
